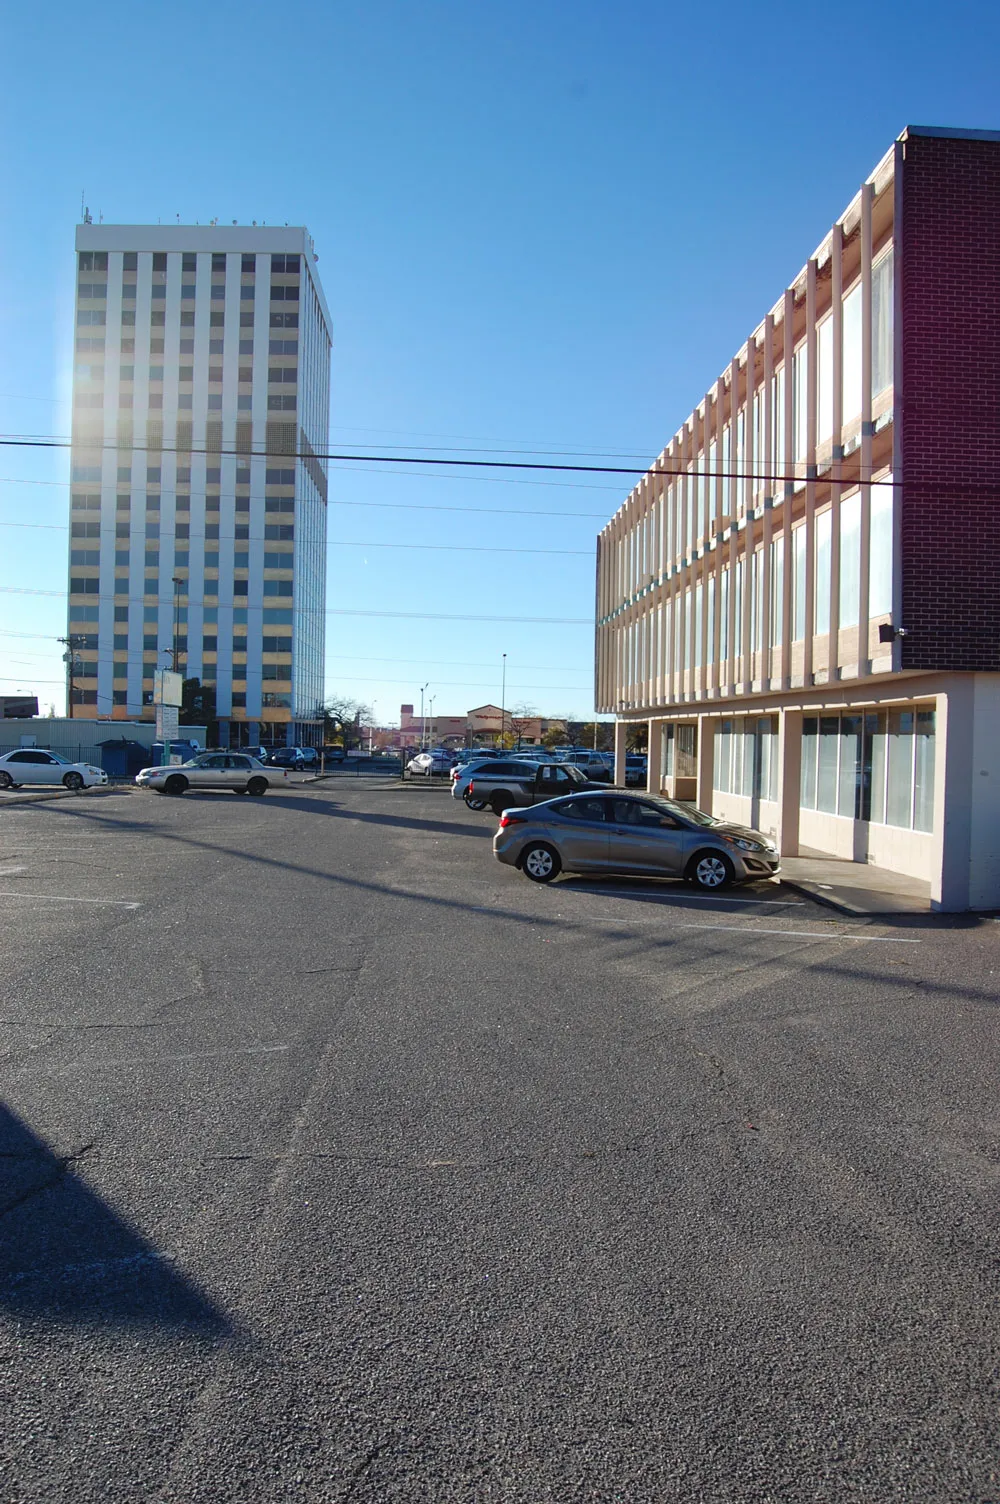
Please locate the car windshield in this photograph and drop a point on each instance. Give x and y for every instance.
(683, 811)
(58, 757)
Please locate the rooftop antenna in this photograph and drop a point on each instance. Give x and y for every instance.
(234, 221)
(83, 194)
(100, 218)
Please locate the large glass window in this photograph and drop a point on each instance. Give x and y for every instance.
(850, 559)
(882, 363)
(852, 355)
(826, 771)
(799, 584)
(822, 596)
(757, 600)
(880, 558)
(778, 423)
(923, 771)
(824, 372)
(810, 757)
(849, 794)
(800, 403)
(724, 616)
(777, 589)
(899, 783)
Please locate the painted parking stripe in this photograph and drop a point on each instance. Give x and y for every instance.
(770, 903)
(118, 903)
(831, 934)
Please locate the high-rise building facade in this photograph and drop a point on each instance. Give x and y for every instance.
(801, 598)
(198, 485)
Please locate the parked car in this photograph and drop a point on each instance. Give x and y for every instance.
(214, 770)
(636, 765)
(38, 765)
(427, 763)
(297, 758)
(600, 766)
(642, 835)
(505, 783)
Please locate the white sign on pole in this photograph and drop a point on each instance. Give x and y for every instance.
(167, 688)
(167, 723)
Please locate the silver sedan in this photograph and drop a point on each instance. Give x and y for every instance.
(643, 835)
(214, 770)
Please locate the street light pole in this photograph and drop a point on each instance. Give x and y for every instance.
(177, 583)
(503, 699)
(432, 699)
(423, 723)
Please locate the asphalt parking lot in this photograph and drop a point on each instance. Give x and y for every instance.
(338, 1161)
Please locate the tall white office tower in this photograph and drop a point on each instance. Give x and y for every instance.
(199, 490)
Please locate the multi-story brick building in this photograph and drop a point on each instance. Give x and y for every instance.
(199, 489)
(801, 595)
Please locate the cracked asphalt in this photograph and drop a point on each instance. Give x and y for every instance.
(338, 1162)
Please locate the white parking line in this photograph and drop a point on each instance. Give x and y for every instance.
(666, 898)
(831, 934)
(120, 903)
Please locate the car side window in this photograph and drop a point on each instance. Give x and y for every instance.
(583, 809)
(238, 762)
(213, 762)
(632, 812)
(20, 757)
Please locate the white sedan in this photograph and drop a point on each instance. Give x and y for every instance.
(38, 765)
(214, 770)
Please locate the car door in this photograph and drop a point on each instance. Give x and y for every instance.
(582, 833)
(550, 782)
(209, 772)
(237, 771)
(36, 767)
(644, 838)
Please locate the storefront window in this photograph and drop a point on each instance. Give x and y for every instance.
(826, 772)
(849, 796)
(923, 772)
(899, 784)
(810, 757)
(873, 807)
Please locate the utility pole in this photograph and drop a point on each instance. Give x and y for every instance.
(423, 723)
(174, 652)
(71, 644)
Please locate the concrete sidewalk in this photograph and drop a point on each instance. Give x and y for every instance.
(854, 887)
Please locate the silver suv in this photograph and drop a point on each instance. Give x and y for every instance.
(507, 783)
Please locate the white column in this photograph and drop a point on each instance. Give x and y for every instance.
(655, 757)
(706, 763)
(789, 780)
(621, 731)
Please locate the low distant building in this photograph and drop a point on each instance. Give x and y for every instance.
(17, 707)
(481, 726)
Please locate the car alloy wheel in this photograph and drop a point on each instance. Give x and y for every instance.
(6, 782)
(175, 785)
(474, 803)
(257, 786)
(540, 863)
(73, 782)
(711, 870)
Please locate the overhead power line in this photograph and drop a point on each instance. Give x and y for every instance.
(673, 471)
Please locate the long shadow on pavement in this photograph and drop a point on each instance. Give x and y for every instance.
(66, 1256)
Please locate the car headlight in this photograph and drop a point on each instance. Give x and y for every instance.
(744, 844)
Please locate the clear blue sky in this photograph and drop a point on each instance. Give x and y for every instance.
(541, 226)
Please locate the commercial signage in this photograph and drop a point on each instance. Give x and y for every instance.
(167, 688)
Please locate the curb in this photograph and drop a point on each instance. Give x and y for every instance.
(841, 906)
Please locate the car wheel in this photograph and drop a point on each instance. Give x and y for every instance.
(6, 782)
(710, 871)
(73, 782)
(540, 863)
(257, 786)
(474, 803)
(175, 785)
(500, 802)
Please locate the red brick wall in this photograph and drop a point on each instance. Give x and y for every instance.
(949, 265)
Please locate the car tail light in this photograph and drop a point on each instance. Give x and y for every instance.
(510, 819)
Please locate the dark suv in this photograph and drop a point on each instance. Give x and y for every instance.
(509, 784)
